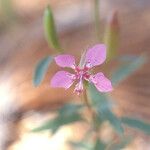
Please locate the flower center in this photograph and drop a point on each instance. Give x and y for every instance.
(80, 75)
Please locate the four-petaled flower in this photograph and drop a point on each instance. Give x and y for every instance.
(93, 57)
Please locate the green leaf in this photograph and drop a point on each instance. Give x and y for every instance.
(83, 145)
(41, 70)
(51, 124)
(70, 109)
(137, 124)
(50, 30)
(103, 108)
(127, 69)
(68, 119)
(98, 99)
(58, 122)
(99, 145)
(114, 121)
(121, 145)
(67, 114)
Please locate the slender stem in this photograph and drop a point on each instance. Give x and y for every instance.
(97, 18)
(87, 101)
(92, 112)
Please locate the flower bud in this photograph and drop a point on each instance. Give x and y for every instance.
(111, 36)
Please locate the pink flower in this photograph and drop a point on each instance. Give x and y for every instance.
(94, 56)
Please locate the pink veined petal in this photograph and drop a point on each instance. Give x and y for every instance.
(62, 79)
(96, 55)
(65, 60)
(101, 82)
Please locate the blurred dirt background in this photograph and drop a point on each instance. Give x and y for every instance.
(22, 44)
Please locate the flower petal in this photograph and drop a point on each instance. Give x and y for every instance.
(101, 82)
(65, 60)
(62, 79)
(96, 55)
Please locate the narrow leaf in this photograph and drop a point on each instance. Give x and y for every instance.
(50, 30)
(70, 109)
(58, 122)
(51, 124)
(123, 143)
(83, 145)
(103, 108)
(137, 124)
(98, 99)
(99, 145)
(127, 69)
(113, 120)
(41, 70)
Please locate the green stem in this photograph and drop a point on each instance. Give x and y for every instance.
(92, 112)
(97, 19)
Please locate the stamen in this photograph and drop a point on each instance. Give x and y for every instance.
(79, 87)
